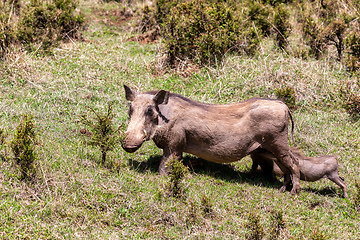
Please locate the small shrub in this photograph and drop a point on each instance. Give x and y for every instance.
(352, 43)
(200, 31)
(333, 34)
(177, 173)
(356, 198)
(352, 105)
(3, 136)
(312, 34)
(7, 28)
(102, 132)
(317, 235)
(23, 147)
(206, 206)
(287, 95)
(259, 14)
(148, 20)
(282, 26)
(46, 23)
(192, 216)
(205, 31)
(163, 8)
(255, 229)
(278, 224)
(325, 26)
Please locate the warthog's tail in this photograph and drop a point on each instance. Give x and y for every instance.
(342, 179)
(292, 128)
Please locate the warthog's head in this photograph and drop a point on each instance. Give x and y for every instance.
(143, 117)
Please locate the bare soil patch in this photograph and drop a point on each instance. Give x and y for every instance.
(114, 17)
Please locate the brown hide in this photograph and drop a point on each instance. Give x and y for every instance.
(311, 168)
(217, 133)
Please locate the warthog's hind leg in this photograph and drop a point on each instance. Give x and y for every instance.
(340, 182)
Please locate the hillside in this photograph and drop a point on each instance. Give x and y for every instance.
(74, 196)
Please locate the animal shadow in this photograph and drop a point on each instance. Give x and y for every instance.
(225, 172)
(221, 171)
(326, 191)
(152, 164)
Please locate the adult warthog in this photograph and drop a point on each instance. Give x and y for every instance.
(217, 133)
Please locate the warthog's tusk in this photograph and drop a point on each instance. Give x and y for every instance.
(145, 135)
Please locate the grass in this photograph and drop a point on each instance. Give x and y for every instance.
(75, 196)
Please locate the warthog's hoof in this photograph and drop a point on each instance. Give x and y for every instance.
(282, 189)
(295, 190)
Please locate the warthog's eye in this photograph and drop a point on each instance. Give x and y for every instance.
(131, 110)
(150, 111)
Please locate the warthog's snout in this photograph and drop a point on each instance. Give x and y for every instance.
(130, 148)
(133, 143)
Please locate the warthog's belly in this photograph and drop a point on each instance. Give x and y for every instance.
(221, 153)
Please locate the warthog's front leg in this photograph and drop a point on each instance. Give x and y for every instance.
(294, 174)
(167, 155)
(289, 164)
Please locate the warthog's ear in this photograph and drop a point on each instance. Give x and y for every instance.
(129, 93)
(161, 97)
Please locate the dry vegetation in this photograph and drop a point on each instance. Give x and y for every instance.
(75, 196)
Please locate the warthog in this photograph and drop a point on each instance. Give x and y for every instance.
(217, 133)
(311, 168)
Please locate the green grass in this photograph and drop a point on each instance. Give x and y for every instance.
(75, 197)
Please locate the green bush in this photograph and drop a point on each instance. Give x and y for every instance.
(199, 31)
(148, 20)
(282, 26)
(102, 132)
(312, 35)
(205, 31)
(278, 224)
(256, 230)
(3, 153)
(163, 8)
(259, 14)
(206, 206)
(326, 25)
(176, 175)
(287, 95)
(352, 60)
(352, 105)
(356, 197)
(333, 34)
(46, 23)
(23, 147)
(7, 27)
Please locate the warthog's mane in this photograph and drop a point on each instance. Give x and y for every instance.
(206, 105)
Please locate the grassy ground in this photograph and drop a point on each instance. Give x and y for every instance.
(75, 197)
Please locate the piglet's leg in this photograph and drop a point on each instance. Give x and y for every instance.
(287, 180)
(340, 182)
